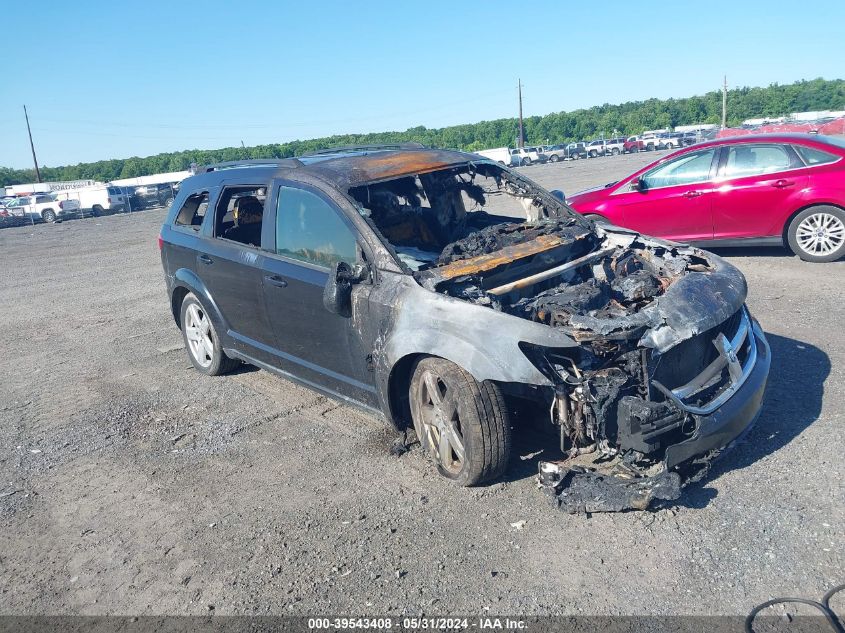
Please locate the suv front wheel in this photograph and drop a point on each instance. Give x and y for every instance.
(201, 340)
(462, 425)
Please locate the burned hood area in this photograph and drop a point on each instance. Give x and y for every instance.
(639, 321)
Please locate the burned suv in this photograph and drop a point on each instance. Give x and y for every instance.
(430, 287)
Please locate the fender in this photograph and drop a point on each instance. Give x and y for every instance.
(188, 279)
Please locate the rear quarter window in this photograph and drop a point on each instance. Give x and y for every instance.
(192, 211)
(812, 156)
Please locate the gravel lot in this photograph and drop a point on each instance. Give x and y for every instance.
(131, 484)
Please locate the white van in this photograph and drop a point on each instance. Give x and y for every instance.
(501, 155)
(96, 200)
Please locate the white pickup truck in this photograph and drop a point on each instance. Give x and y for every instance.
(42, 207)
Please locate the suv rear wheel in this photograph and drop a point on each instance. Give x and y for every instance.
(525, 162)
(201, 340)
(48, 215)
(462, 425)
(817, 234)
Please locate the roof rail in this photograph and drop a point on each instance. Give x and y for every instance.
(366, 148)
(255, 162)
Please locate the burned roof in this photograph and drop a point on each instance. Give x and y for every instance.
(347, 167)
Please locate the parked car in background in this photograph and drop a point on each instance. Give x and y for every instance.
(650, 142)
(153, 196)
(524, 156)
(670, 140)
(576, 150)
(541, 154)
(555, 153)
(767, 189)
(595, 148)
(614, 146)
(690, 138)
(98, 200)
(501, 155)
(633, 145)
(42, 207)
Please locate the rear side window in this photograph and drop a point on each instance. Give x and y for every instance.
(309, 229)
(43, 199)
(813, 156)
(752, 160)
(193, 210)
(114, 191)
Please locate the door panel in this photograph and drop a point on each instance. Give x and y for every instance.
(675, 202)
(313, 343)
(757, 185)
(233, 274)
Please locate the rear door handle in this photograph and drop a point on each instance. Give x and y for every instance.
(205, 259)
(780, 184)
(275, 280)
(691, 194)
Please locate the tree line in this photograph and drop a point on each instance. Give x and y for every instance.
(624, 119)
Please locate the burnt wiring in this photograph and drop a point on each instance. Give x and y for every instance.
(823, 606)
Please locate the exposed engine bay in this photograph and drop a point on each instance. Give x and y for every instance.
(640, 363)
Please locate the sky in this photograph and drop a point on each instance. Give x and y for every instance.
(114, 79)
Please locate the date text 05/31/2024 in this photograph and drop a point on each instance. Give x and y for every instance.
(416, 624)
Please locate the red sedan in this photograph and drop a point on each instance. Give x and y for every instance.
(767, 189)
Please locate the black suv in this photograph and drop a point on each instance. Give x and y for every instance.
(431, 287)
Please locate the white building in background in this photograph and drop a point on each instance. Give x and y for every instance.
(47, 187)
(155, 179)
(696, 127)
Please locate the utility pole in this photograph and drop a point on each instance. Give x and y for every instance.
(521, 129)
(31, 146)
(725, 103)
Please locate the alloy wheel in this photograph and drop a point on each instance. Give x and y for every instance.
(441, 432)
(198, 334)
(820, 234)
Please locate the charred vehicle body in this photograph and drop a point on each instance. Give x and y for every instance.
(429, 287)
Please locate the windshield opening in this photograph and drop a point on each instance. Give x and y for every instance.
(430, 219)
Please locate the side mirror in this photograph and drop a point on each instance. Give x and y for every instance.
(337, 294)
(557, 193)
(638, 185)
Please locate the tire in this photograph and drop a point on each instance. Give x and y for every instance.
(97, 210)
(205, 351)
(48, 215)
(635, 150)
(615, 151)
(525, 162)
(554, 158)
(649, 147)
(817, 234)
(472, 413)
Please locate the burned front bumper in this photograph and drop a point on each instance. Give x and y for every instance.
(662, 444)
(720, 425)
(733, 410)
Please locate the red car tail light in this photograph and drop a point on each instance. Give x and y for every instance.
(160, 242)
(109, 199)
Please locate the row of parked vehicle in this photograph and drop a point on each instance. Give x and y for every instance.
(524, 156)
(55, 206)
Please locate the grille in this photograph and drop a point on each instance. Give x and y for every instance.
(701, 373)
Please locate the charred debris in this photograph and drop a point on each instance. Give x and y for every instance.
(480, 233)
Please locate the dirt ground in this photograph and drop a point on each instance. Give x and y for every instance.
(131, 484)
